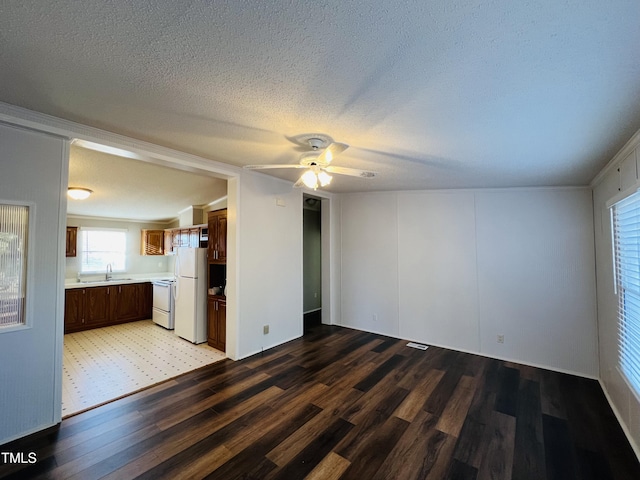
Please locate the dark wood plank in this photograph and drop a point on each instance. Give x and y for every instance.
(528, 462)
(416, 452)
(379, 373)
(439, 398)
(461, 471)
(254, 457)
(312, 454)
(559, 450)
(507, 398)
(371, 454)
(469, 447)
(497, 460)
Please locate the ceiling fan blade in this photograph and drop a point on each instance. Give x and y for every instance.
(299, 183)
(265, 167)
(330, 152)
(352, 172)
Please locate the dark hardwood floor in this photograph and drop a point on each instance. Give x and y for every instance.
(340, 403)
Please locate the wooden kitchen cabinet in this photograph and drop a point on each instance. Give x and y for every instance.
(98, 307)
(217, 322)
(72, 241)
(182, 237)
(146, 305)
(217, 247)
(152, 242)
(127, 303)
(74, 310)
(102, 306)
(136, 300)
(131, 302)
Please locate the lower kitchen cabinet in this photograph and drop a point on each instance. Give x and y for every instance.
(74, 310)
(217, 322)
(97, 306)
(132, 302)
(94, 307)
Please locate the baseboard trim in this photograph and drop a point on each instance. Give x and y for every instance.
(623, 425)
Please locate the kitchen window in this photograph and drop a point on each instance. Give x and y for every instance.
(625, 217)
(102, 247)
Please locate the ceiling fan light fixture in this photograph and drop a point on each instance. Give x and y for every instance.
(310, 179)
(79, 193)
(324, 178)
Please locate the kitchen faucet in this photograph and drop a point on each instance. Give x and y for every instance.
(109, 273)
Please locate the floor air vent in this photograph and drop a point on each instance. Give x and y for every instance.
(419, 346)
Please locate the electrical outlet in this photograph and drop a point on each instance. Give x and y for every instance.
(265, 330)
(375, 317)
(500, 339)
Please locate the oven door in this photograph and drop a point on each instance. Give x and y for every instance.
(162, 296)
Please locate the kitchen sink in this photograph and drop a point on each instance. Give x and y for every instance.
(104, 280)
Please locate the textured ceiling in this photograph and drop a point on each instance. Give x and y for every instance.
(132, 189)
(429, 94)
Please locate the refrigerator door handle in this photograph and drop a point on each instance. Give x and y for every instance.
(176, 265)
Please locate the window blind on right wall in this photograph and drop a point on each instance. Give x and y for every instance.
(626, 250)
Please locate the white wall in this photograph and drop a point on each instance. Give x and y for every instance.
(370, 262)
(34, 171)
(437, 268)
(269, 276)
(136, 263)
(331, 259)
(609, 185)
(536, 277)
(457, 268)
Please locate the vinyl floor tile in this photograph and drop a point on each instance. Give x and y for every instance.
(103, 364)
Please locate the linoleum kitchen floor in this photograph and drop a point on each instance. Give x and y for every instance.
(107, 363)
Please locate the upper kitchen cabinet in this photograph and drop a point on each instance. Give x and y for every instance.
(217, 252)
(194, 236)
(72, 241)
(152, 242)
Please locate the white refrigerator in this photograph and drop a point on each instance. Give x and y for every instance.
(191, 294)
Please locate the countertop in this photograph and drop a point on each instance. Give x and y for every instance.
(118, 279)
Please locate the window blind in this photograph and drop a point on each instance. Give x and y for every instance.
(626, 246)
(14, 224)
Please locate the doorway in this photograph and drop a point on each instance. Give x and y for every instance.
(104, 363)
(312, 261)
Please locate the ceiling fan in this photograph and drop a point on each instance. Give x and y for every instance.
(318, 165)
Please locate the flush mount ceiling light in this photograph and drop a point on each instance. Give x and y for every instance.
(323, 151)
(79, 193)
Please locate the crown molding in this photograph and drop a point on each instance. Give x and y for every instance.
(628, 147)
